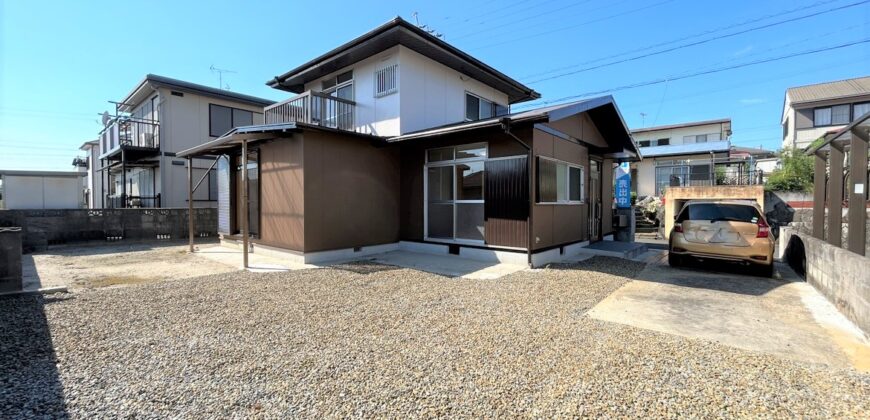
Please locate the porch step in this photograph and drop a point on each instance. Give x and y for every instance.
(627, 250)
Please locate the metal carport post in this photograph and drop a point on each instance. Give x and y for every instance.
(190, 190)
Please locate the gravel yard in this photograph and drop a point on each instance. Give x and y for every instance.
(367, 340)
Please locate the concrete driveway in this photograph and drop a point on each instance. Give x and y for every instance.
(783, 316)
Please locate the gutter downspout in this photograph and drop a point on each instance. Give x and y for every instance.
(506, 126)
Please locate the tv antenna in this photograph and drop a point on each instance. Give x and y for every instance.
(220, 73)
(643, 119)
(426, 28)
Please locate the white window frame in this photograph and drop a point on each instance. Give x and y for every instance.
(568, 183)
(492, 104)
(390, 69)
(452, 163)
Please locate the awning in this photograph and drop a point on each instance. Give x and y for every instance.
(256, 133)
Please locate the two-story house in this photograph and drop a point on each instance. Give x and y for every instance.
(398, 138)
(810, 111)
(135, 163)
(679, 153)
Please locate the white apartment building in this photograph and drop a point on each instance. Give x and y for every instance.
(133, 162)
(680, 152)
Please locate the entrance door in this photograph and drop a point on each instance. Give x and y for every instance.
(594, 200)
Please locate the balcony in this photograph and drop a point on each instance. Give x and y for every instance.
(130, 133)
(314, 108)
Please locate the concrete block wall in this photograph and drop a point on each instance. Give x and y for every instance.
(41, 228)
(10, 259)
(843, 277)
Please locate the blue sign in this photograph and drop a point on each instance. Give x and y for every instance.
(623, 186)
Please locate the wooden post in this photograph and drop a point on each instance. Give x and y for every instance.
(858, 190)
(819, 196)
(835, 197)
(244, 204)
(190, 202)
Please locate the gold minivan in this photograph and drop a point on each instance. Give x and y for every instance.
(722, 230)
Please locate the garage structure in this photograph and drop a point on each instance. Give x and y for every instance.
(36, 190)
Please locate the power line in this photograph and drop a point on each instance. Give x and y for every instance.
(704, 41)
(528, 18)
(700, 73)
(510, 41)
(696, 35)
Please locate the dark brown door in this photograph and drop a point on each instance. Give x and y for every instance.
(594, 200)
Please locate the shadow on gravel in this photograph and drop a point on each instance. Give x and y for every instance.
(30, 385)
(364, 267)
(606, 265)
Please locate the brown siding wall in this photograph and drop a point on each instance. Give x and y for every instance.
(556, 224)
(282, 201)
(351, 192)
(413, 160)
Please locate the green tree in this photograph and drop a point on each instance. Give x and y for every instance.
(795, 173)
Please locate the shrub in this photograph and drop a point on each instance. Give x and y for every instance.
(796, 173)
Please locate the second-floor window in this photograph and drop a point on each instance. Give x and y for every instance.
(477, 108)
(223, 118)
(659, 142)
(831, 115)
(860, 109)
(340, 86)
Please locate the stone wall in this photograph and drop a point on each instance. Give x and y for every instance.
(41, 228)
(842, 276)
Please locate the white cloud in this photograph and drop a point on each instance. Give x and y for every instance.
(743, 51)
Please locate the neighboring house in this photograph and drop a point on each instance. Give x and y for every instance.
(89, 163)
(136, 165)
(398, 137)
(680, 154)
(37, 190)
(811, 111)
(754, 163)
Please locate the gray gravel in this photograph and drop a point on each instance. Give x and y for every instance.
(365, 340)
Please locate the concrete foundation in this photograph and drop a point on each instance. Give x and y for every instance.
(842, 276)
(10, 259)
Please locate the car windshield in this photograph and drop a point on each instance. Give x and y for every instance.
(719, 212)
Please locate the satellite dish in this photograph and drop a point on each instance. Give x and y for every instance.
(106, 118)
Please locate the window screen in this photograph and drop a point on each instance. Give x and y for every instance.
(859, 110)
(472, 107)
(220, 120)
(242, 118)
(840, 114)
(822, 116)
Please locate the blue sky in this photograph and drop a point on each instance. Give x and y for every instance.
(61, 61)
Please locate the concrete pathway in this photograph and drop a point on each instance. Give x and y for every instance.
(448, 265)
(783, 316)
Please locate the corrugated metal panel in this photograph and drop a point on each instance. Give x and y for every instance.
(506, 207)
(223, 182)
(830, 90)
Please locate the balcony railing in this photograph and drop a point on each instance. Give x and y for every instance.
(126, 131)
(122, 201)
(314, 108)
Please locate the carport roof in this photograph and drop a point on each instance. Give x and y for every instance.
(253, 133)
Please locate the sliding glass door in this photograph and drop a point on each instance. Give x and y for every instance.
(454, 193)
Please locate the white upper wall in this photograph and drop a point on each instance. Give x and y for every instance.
(429, 94)
(714, 132)
(433, 94)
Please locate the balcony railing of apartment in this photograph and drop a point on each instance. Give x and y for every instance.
(128, 131)
(314, 108)
(122, 201)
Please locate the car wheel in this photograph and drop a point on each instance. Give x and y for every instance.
(674, 260)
